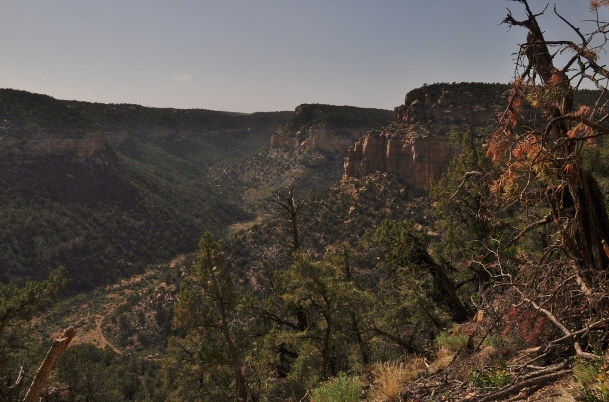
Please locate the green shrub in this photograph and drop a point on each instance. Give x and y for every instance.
(452, 342)
(343, 388)
(490, 378)
(493, 377)
(494, 341)
(593, 379)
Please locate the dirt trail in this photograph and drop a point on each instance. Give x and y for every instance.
(88, 314)
(104, 342)
(89, 328)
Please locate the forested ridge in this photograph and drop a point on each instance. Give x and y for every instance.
(492, 286)
(141, 197)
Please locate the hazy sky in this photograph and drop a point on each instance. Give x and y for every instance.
(258, 55)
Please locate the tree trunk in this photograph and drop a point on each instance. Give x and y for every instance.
(325, 355)
(445, 287)
(58, 347)
(290, 207)
(590, 227)
(360, 341)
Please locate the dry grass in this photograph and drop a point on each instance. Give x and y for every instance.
(443, 359)
(389, 378)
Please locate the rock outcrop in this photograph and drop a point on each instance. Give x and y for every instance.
(82, 148)
(316, 137)
(326, 127)
(417, 159)
(415, 146)
(452, 104)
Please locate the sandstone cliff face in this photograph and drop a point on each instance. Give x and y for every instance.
(415, 146)
(82, 148)
(326, 127)
(417, 159)
(452, 104)
(316, 137)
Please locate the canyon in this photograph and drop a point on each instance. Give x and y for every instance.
(412, 142)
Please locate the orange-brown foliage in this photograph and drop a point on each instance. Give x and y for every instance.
(527, 325)
(594, 4)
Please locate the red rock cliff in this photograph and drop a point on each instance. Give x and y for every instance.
(417, 158)
(415, 146)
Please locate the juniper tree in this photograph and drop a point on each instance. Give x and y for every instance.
(211, 349)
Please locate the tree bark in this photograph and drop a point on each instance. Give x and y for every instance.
(57, 348)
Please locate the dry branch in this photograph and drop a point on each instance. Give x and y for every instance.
(567, 334)
(534, 382)
(57, 348)
(18, 380)
(595, 325)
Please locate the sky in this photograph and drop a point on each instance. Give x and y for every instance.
(260, 55)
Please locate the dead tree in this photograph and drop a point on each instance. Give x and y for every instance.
(538, 145)
(57, 348)
(561, 283)
(550, 153)
(287, 207)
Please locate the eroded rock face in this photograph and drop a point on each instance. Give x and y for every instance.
(452, 104)
(416, 146)
(316, 137)
(83, 148)
(418, 160)
(326, 127)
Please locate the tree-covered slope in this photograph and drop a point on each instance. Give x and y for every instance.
(105, 204)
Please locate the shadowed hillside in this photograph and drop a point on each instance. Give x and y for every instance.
(106, 189)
